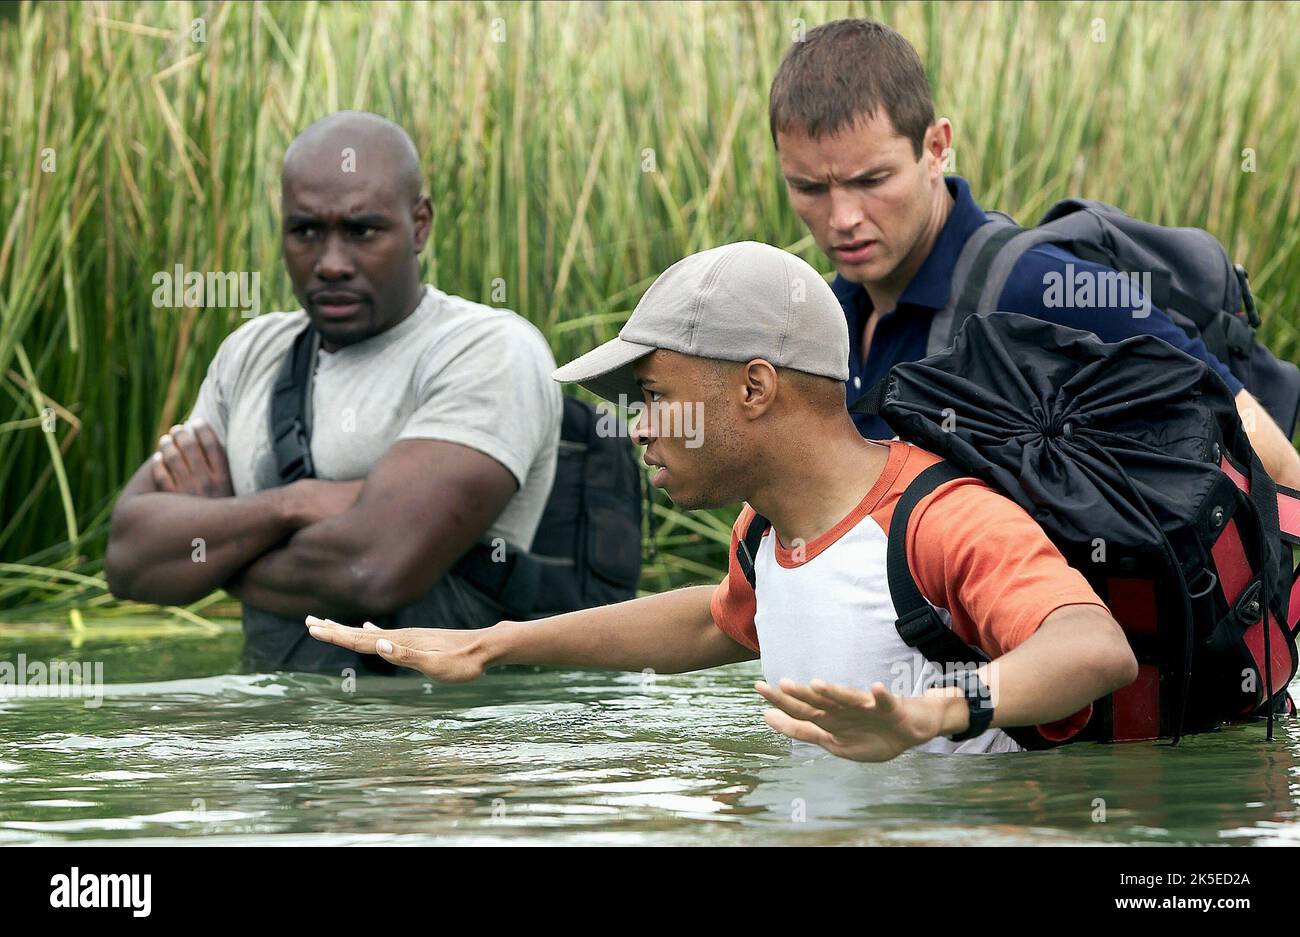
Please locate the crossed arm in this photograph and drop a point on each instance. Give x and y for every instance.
(1077, 655)
(358, 548)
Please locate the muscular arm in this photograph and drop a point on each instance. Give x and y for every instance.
(1078, 655)
(669, 633)
(178, 531)
(158, 538)
(420, 509)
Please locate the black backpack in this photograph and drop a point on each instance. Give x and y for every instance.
(587, 549)
(1192, 280)
(1134, 448)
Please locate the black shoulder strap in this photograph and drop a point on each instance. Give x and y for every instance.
(977, 283)
(919, 625)
(972, 261)
(290, 408)
(747, 546)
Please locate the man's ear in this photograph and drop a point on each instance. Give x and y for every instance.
(422, 221)
(938, 146)
(759, 387)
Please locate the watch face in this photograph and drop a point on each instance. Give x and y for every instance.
(979, 703)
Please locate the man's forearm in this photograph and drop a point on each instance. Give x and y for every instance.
(668, 633)
(1078, 655)
(1275, 451)
(173, 548)
(333, 568)
(289, 583)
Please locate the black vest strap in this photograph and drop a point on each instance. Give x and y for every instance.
(291, 410)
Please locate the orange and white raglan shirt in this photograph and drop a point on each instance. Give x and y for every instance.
(824, 610)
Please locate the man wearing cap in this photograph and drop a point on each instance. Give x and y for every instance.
(863, 159)
(754, 338)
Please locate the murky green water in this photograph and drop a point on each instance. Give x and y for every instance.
(183, 749)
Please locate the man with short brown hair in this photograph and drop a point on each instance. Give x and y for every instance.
(863, 159)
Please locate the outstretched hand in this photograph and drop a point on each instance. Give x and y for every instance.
(862, 725)
(445, 655)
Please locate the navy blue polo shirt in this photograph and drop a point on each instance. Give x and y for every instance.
(901, 335)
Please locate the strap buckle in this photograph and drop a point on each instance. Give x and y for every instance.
(293, 454)
(919, 626)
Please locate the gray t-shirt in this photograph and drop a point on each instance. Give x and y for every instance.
(453, 370)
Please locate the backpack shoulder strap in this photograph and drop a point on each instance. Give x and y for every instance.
(919, 625)
(747, 546)
(290, 408)
(999, 270)
(967, 276)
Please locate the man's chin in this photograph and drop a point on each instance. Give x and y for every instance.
(692, 501)
(336, 333)
(856, 273)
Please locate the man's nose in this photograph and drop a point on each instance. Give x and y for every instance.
(334, 262)
(846, 209)
(640, 430)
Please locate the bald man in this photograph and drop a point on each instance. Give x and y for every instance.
(434, 427)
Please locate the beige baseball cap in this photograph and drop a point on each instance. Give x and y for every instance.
(736, 302)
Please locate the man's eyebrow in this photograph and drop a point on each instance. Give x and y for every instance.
(868, 173)
(643, 381)
(856, 177)
(369, 220)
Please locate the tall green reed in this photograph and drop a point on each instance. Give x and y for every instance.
(572, 151)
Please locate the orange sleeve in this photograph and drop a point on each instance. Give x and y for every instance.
(733, 603)
(981, 557)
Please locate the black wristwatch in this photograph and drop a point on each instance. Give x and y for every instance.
(978, 701)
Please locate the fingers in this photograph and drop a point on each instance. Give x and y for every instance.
(887, 703)
(188, 446)
(177, 465)
(401, 654)
(213, 454)
(162, 478)
(361, 640)
(787, 703)
(806, 694)
(848, 697)
(798, 729)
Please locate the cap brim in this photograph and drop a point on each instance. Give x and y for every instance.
(606, 371)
